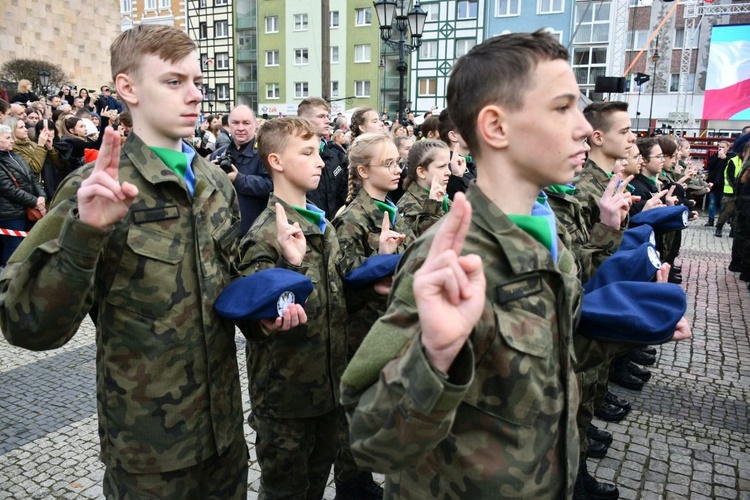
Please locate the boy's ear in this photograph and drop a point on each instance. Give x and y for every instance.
(491, 127)
(274, 161)
(126, 88)
(597, 138)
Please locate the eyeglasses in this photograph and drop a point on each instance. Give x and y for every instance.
(638, 157)
(393, 166)
(661, 157)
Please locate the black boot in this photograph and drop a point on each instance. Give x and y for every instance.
(594, 489)
(362, 487)
(649, 349)
(623, 378)
(710, 222)
(611, 413)
(642, 358)
(639, 372)
(597, 449)
(596, 434)
(616, 401)
(717, 233)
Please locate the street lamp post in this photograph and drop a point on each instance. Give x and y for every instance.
(654, 59)
(211, 95)
(389, 11)
(44, 80)
(640, 79)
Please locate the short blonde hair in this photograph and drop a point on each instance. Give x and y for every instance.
(166, 42)
(22, 84)
(274, 135)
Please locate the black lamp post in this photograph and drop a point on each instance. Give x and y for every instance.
(640, 79)
(389, 11)
(211, 95)
(654, 59)
(44, 80)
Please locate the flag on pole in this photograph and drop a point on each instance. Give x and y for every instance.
(728, 74)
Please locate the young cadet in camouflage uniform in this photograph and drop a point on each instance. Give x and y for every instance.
(146, 234)
(295, 363)
(364, 229)
(425, 200)
(467, 391)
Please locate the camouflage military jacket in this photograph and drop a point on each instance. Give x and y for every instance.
(358, 228)
(296, 374)
(590, 185)
(168, 391)
(503, 425)
(418, 209)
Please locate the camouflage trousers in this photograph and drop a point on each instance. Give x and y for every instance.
(219, 477)
(295, 454)
(727, 213)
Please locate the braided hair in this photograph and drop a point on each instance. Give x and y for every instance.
(422, 153)
(359, 118)
(362, 152)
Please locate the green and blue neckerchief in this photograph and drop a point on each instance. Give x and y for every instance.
(445, 203)
(389, 207)
(179, 162)
(567, 189)
(314, 215)
(540, 225)
(630, 188)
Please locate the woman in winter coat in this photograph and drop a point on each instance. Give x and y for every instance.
(14, 200)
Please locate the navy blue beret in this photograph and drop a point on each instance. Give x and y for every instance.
(263, 295)
(663, 218)
(637, 264)
(374, 268)
(636, 313)
(740, 143)
(637, 236)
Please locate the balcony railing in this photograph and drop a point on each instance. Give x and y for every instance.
(245, 55)
(248, 87)
(246, 22)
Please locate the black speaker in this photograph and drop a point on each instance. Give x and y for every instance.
(616, 84)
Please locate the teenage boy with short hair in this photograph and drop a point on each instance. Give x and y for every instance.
(295, 363)
(147, 234)
(465, 387)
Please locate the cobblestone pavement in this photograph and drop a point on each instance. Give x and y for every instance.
(688, 435)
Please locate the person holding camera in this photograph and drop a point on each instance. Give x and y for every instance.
(241, 162)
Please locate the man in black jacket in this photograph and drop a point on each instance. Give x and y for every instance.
(716, 165)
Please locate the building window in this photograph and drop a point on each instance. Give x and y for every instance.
(589, 63)
(222, 92)
(467, 10)
(300, 22)
(674, 83)
(272, 24)
(204, 62)
(272, 91)
(334, 89)
(361, 88)
(636, 39)
(164, 4)
(202, 4)
(272, 58)
(593, 22)
(362, 53)
(219, 3)
(432, 10)
(222, 60)
(558, 35)
(364, 17)
(150, 5)
(504, 8)
(463, 46)
(334, 19)
(550, 6)
(221, 29)
(301, 56)
(680, 39)
(202, 31)
(427, 86)
(428, 50)
(126, 6)
(300, 90)
(335, 54)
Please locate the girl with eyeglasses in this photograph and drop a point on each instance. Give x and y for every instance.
(369, 224)
(646, 164)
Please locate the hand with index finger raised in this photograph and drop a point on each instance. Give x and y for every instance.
(389, 240)
(292, 242)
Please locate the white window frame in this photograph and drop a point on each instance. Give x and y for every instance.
(126, 6)
(149, 5)
(301, 90)
(428, 50)
(363, 53)
(512, 8)
(548, 7)
(361, 88)
(334, 88)
(272, 24)
(594, 20)
(363, 17)
(220, 3)
(301, 57)
(432, 10)
(431, 87)
(221, 60)
(468, 4)
(301, 22)
(335, 54)
(164, 4)
(458, 53)
(217, 29)
(203, 4)
(222, 92)
(641, 36)
(273, 91)
(592, 69)
(275, 58)
(334, 15)
(680, 41)
(674, 83)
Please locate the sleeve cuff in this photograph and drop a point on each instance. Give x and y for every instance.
(83, 241)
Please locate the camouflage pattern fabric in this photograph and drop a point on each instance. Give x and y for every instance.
(218, 478)
(503, 424)
(168, 391)
(419, 211)
(296, 374)
(358, 228)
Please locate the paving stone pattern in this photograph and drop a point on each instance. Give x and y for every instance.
(688, 435)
